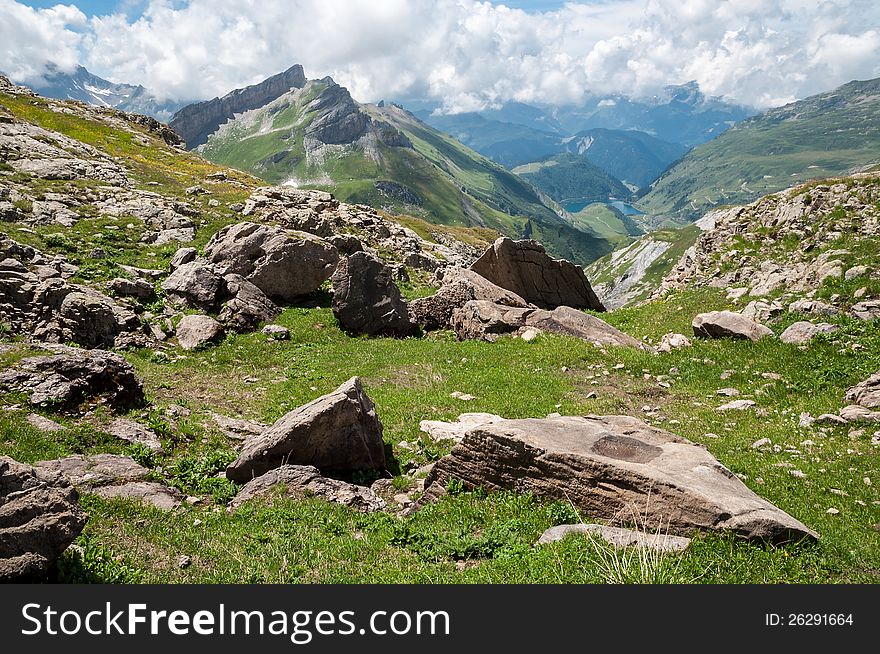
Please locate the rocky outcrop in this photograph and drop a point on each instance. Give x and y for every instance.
(152, 493)
(338, 432)
(88, 472)
(283, 264)
(524, 268)
(614, 468)
(863, 401)
(487, 321)
(196, 122)
(367, 301)
(728, 324)
(803, 332)
(618, 537)
(459, 286)
(73, 376)
(439, 430)
(134, 432)
(40, 517)
(299, 481)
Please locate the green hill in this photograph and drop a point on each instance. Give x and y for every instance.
(821, 136)
(569, 179)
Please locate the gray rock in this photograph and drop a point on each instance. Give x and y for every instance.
(736, 405)
(277, 332)
(867, 310)
(813, 308)
(439, 430)
(74, 376)
(300, 481)
(137, 288)
(196, 330)
(153, 493)
(284, 264)
(247, 307)
(134, 432)
(367, 301)
(484, 320)
(856, 413)
(727, 324)
(460, 286)
(40, 517)
(803, 332)
(338, 432)
(237, 428)
(672, 341)
(524, 268)
(195, 285)
(87, 472)
(866, 393)
(613, 467)
(182, 256)
(44, 424)
(856, 271)
(618, 537)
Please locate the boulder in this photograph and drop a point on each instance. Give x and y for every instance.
(613, 468)
(727, 324)
(804, 331)
(195, 330)
(195, 285)
(338, 432)
(439, 430)
(867, 310)
(140, 289)
(43, 423)
(300, 482)
(618, 537)
(277, 332)
(87, 472)
(460, 286)
(856, 413)
(135, 432)
(367, 301)
(153, 493)
(74, 376)
(673, 341)
(247, 307)
(237, 428)
(525, 268)
(866, 393)
(40, 517)
(485, 320)
(283, 264)
(813, 308)
(181, 257)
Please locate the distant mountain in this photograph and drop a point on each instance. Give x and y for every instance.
(569, 178)
(825, 135)
(84, 86)
(631, 156)
(312, 133)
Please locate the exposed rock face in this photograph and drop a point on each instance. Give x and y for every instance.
(524, 268)
(727, 324)
(137, 288)
(300, 481)
(74, 376)
(283, 264)
(487, 321)
(618, 537)
(613, 467)
(195, 330)
(367, 301)
(39, 518)
(247, 307)
(338, 432)
(87, 472)
(134, 432)
(460, 286)
(455, 431)
(867, 393)
(197, 121)
(196, 285)
(625, 269)
(803, 332)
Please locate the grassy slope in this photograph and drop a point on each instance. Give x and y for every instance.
(467, 537)
(569, 178)
(822, 136)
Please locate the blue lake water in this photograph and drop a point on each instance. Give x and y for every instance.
(623, 207)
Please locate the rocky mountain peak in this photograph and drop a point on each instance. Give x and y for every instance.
(197, 121)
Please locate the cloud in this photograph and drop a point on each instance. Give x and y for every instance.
(468, 54)
(31, 38)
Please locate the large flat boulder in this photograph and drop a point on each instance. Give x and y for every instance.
(729, 324)
(306, 481)
(337, 432)
(73, 376)
(614, 468)
(284, 264)
(40, 517)
(526, 269)
(479, 319)
(460, 286)
(195, 330)
(367, 301)
(86, 472)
